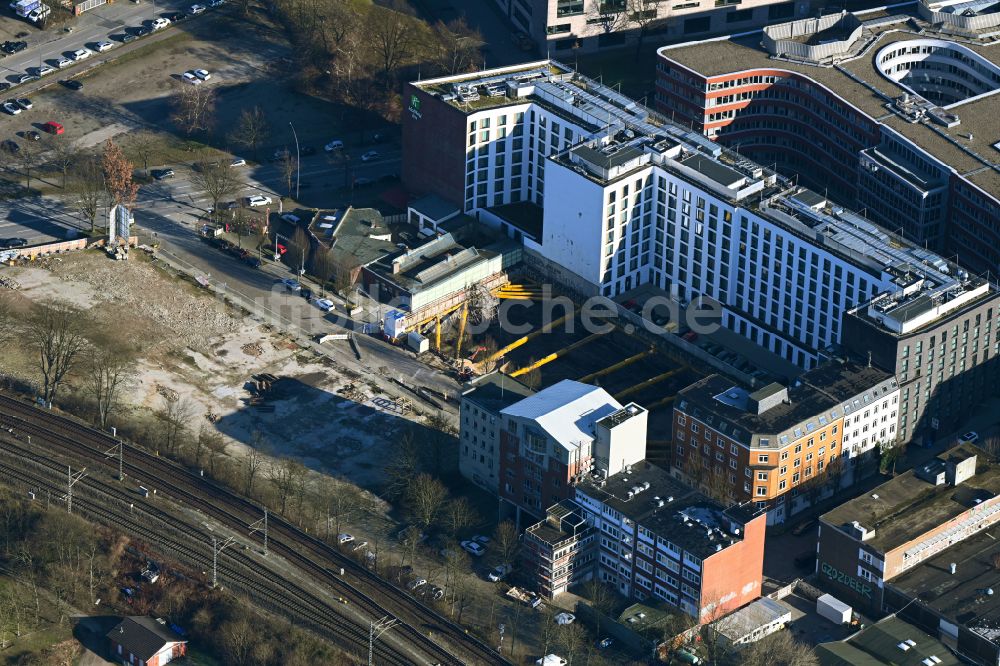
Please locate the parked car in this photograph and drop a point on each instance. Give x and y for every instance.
(72, 84)
(258, 200)
(970, 437)
(344, 538)
(24, 78)
(804, 526)
(63, 62)
(485, 540)
(306, 293)
(24, 103)
(324, 304)
(291, 284)
(202, 74)
(435, 593)
(191, 78)
(415, 583)
(473, 548)
(11, 108)
(103, 46)
(10, 146)
(13, 242)
(52, 127)
(159, 23)
(363, 182)
(370, 155)
(81, 54)
(142, 31)
(45, 70)
(128, 37)
(498, 573)
(565, 618)
(162, 174)
(605, 643)
(194, 10)
(32, 135)
(238, 162)
(336, 144)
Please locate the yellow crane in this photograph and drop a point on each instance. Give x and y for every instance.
(461, 331)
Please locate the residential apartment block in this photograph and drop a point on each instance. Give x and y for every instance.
(650, 536)
(764, 446)
(895, 114)
(923, 545)
(549, 440)
(564, 26)
(479, 427)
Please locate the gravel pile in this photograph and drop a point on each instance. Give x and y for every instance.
(252, 349)
(144, 291)
(9, 283)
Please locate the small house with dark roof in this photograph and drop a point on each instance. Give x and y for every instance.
(145, 641)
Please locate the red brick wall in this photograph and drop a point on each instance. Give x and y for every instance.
(433, 147)
(732, 577)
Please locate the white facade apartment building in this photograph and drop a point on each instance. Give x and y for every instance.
(869, 420)
(783, 262)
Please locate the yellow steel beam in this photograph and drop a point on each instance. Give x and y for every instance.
(461, 330)
(554, 355)
(647, 383)
(617, 366)
(530, 336)
(437, 333)
(660, 403)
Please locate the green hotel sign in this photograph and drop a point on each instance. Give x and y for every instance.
(414, 107)
(846, 580)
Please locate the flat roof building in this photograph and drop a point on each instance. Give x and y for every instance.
(784, 447)
(871, 541)
(888, 642)
(893, 111)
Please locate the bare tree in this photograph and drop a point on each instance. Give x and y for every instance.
(110, 369)
(340, 501)
(572, 639)
(607, 16)
(215, 447)
(298, 249)
(393, 36)
(287, 476)
(87, 180)
(287, 164)
(194, 109)
(643, 14)
(217, 181)
(403, 467)
(7, 321)
(55, 333)
(142, 144)
(252, 462)
(458, 515)
(459, 46)
(507, 542)
(252, 129)
(64, 155)
(425, 497)
(175, 422)
(778, 649)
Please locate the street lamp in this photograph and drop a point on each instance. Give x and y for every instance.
(298, 160)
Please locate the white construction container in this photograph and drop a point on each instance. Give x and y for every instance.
(417, 342)
(833, 609)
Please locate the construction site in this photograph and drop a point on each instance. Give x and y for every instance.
(629, 366)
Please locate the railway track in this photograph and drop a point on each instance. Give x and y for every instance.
(239, 571)
(426, 629)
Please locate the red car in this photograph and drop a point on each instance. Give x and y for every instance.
(53, 127)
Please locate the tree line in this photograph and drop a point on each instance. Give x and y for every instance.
(356, 53)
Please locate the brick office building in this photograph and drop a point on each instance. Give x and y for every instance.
(552, 438)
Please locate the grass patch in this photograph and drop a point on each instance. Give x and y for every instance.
(34, 642)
